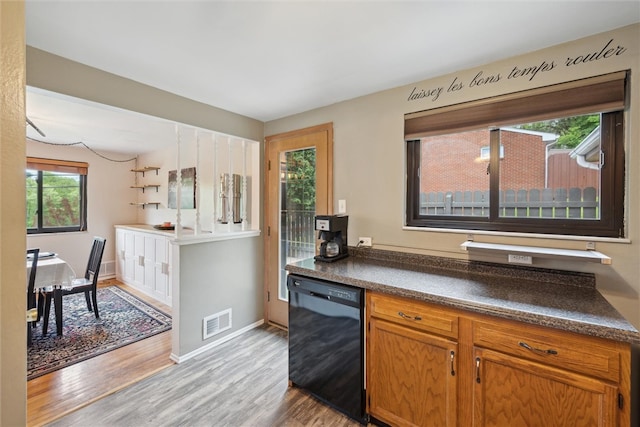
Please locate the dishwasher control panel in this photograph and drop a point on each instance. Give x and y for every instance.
(348, 295)
(327, 290)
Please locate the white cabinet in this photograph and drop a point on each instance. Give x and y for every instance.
(156, 266)
(143, 262)
(125, 256)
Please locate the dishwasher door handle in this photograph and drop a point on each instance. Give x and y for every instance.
(309, 293)
(313, 294)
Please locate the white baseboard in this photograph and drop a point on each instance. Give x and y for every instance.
(180, 359)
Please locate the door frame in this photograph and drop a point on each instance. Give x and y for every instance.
(272, 197)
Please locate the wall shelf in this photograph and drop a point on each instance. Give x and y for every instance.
(143, 204)
(538, 252)
(142, 170)
(146, 169)
(143, 187)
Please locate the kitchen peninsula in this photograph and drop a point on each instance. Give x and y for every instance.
(488, 343)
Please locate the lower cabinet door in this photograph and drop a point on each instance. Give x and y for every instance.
(509, 391)
(412, 376)
(130, 258)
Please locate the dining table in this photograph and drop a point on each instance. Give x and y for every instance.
(52, 273)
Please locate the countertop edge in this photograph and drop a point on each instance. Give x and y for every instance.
(569, 325)
(188, 238)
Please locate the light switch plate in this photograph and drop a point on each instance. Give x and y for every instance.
(342, 206)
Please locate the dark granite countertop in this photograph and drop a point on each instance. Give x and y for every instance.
(558, 299)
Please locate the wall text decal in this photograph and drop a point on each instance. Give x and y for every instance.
(529, 72)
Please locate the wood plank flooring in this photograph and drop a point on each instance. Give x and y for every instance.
(243, 382)
(63, 391)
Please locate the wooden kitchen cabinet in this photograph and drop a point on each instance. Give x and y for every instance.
(411, 370)
(507, 373)
(531, 375)
(511, 391)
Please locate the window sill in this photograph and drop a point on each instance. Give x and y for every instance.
(537, 252)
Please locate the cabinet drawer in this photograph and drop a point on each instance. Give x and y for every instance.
(589, 355)
(415, 314)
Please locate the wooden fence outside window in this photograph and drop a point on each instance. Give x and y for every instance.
(574, 203)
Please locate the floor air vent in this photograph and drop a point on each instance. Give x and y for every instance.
(216, 323)
(108, 269)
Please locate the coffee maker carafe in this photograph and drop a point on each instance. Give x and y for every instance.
(332, 231)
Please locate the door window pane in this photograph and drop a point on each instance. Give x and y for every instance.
(297, 210)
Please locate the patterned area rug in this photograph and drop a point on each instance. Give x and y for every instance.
(124, 319)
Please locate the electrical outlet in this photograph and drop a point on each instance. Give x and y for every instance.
(365, 242)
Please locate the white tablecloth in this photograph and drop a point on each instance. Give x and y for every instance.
(52, 271)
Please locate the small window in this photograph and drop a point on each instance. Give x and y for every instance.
(485, 152)
(56, 196)
(564, 173)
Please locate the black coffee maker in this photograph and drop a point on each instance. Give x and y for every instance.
(332, 230)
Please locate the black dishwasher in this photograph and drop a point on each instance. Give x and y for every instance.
(326, 343)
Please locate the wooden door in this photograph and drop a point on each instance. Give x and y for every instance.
(299, 185)
(509, 391)
(411, 377)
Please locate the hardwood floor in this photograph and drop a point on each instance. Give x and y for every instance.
(61, 392)
(243, 382)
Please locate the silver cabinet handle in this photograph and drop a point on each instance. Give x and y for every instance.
(537, 350)
(406, 316)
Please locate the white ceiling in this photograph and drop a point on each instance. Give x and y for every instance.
(270, 59)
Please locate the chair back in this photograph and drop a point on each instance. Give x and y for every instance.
(95, 259)
(31, 296)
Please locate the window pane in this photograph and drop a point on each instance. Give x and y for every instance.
(454, 178)
(32, 198)
(61, 199)
(551, 169)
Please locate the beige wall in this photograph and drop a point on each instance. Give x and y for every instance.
(369, 160)
(13, 346)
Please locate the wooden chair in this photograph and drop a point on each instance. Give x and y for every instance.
(33, 312)
(88, 284)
